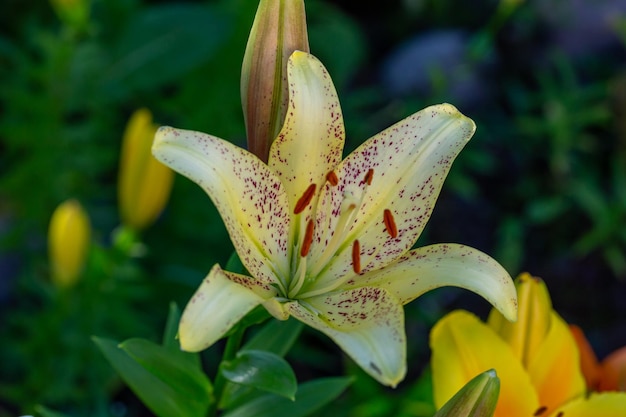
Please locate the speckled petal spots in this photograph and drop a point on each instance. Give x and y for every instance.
(430, 267)
(249, 197)
(367, 323)
(410, 161)
(218, 304)
(311, 141)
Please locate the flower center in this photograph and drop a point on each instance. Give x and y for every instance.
(352, 200)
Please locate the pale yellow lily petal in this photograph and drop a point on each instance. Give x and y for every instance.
(555, 366)
(248, 195)
(367, 323)
(462, 347)
(429, 267)
(611, 404)
(393, 180)
(311, 141)
(533, 321)
(219, 303)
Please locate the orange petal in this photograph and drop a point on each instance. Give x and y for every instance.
(588, 361)
(613, 371)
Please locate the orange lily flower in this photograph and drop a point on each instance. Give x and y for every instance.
(608, 375)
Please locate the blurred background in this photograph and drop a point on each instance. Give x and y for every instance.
(541, 187)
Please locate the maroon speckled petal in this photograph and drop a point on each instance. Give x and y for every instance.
(248, 195)
(407, 164)
(367, 323)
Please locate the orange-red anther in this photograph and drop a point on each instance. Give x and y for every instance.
(369, 176)
(332, 178)
(356, 257)
(390, 224)
(304, 201)
(308, 239)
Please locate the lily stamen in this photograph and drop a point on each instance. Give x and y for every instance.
(308, 239)
(369, 176)
(356, 257)
(390, 223)
(306, 198)
(332, 178)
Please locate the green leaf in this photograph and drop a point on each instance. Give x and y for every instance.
(168, 384)
(311, 396)
(171, 328)
(262, 370)
(46, 412)
(276, 337)
(164, 42)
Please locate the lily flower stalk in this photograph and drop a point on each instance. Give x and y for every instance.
(537, 359)
(328, 241)
(278, 30)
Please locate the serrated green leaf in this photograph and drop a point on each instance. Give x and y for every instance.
(276, 337)
(311, 397)
(167, 385)
(265, 371)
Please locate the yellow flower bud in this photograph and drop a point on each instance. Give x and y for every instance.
(533, 319)
(68, 242)
(144, 183)
(278, 30)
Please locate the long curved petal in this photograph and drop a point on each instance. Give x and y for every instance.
(311, 141)
(220, 302)
(395, 178)
(367, 323)
(462, 347)
(554, 367)
(248, 195)
(609, 404)
(429, 267)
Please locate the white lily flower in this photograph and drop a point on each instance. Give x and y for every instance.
(328, 241)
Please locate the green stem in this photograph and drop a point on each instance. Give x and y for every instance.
(232, 347)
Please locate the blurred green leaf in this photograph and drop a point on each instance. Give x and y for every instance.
(167, 384)
(171, 328)
(262, 370)
(311, 397)
(163, 42)
(46, 412)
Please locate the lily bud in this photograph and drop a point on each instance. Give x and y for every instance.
(144, 184)
(68, 243)
(278, 30)
(533, 320)
(478, 398)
